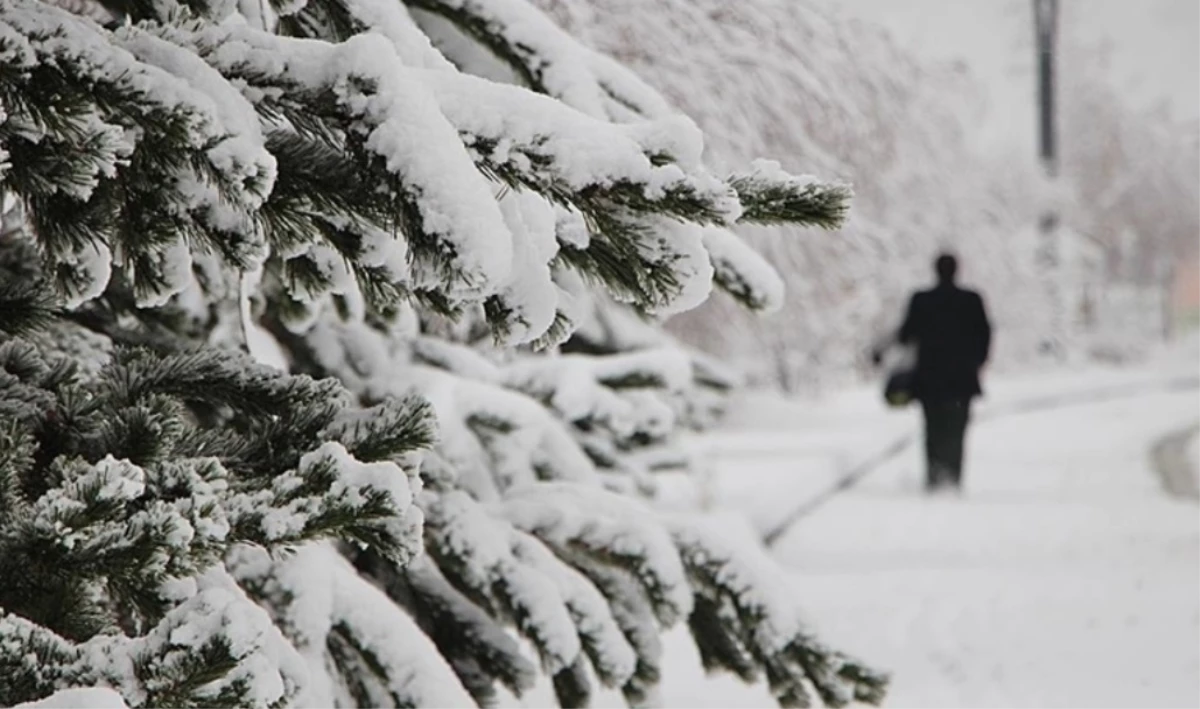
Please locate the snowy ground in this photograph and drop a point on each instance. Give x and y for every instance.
(1065, 576)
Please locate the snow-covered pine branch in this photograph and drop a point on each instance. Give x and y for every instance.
(119, 160)
(113, 568)
(548, 60)
(316, 183)
(359, 647)
(771, 196)
(746, 621)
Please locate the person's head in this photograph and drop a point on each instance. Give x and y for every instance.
(946, 267)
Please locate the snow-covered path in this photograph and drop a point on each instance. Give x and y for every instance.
(1065, 577)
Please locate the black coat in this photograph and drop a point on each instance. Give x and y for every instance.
(950, 329)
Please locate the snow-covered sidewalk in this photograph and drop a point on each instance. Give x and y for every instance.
(1065, 576)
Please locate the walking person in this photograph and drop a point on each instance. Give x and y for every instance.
(949, 328)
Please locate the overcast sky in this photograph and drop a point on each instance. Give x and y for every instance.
(1155, 47)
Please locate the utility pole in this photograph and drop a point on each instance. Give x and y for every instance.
(1045, 17)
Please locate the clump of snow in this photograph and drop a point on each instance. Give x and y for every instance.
(756, 582)
(217, 613)
(108, 481)
(675, 136)
(170, 272)
(354, 476)
(570, 228)
(91, 269)
(566, 69)
(743, 270)
(356, 352)
(601, 636)
(456, 358)
(607, 390)
(241, 155)
(665, 367)
(380, 249)
(483, 546)
(527, 441)
(223, 613)
(772, 171)
(582, 151)
(79, 698)
(679, 246)
(417, 674)
(568, 515)
(400, 121)
(392, 20)
(284, 511)
(529, 293)
(568, 384)
(260, 343)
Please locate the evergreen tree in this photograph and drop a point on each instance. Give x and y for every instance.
(290, 415)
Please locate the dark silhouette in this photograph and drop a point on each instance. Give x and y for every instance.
(949, 328)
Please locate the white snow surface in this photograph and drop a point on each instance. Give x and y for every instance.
(79, 698)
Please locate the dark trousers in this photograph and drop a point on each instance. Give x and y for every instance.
(945, 431)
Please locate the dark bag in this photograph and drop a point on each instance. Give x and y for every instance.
(898, 391)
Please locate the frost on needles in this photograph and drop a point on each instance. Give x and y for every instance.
(326, 375)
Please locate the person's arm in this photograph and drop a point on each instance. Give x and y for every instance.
(902, 336)
(984, 331)
(910, 331)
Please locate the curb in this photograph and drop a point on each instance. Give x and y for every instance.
(1169, 458)
(844, 482)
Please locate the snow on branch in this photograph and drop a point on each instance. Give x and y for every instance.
(187, 527)
(548, 59)
(746, 621)
(478, 647)
(342, 625)
(476, 551)
(364, 630)
(530, 140)
(606, 647)
(445, 208)
(213, 648)
(566, 616)
(619, 407)
(332, 494)
(189, 168)
(311, 19)
(90, 697)
(505, 435)
(634, 614)
(742, 272)
(608, 527)
(551, 62)
(114, 570)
